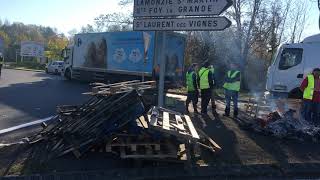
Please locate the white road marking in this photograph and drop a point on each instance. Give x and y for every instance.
(25, 125)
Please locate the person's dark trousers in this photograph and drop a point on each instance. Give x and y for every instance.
(205, 99)
(192, 97)
(307, 110)
(231, 96)
(213, 103)
(0, 68)
(311, 111)
(316, 114)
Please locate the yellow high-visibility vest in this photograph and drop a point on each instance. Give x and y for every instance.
(204, 80)
(309, 90)
(189, 80)
(234, 86)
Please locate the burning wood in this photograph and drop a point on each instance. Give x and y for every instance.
(284, 120)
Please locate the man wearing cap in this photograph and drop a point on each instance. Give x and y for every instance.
(206, 86)
(192, 88)
(311, 96)
(232, 88)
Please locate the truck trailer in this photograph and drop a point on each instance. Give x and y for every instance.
(117, 56)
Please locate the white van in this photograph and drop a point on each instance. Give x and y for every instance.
(291, 64)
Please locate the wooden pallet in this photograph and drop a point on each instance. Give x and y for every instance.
(135, 147)
(181, 126)
(122, 87)
(172, 123)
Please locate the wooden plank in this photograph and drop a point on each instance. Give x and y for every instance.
(149, 156)
(133, 147)
(209, 139)
(132, 144)
(142, 122)
(153, 120)
(179, 122)
(108, 148)
(191, 127)
(157, 147)
(182, 152)
(165, 121)
(122, 152)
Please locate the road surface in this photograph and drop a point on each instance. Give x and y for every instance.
(27, 96)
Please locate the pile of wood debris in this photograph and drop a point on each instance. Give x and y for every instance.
(118, 119)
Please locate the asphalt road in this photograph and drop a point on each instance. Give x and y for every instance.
(26, 96)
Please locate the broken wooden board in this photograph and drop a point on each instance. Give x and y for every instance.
(172, 123)
(122, 87)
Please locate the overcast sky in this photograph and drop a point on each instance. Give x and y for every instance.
(66, 15)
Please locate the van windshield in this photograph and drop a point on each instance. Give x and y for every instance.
(290, 57)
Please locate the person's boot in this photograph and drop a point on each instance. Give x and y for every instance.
(226, 112)
(215, 114)
(235, 114)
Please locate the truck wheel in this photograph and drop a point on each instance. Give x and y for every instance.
(67, 74)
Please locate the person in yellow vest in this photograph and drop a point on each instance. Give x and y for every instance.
(213, 103)
(232, 88)
(192, 88)
(206, 86)
(310, 87)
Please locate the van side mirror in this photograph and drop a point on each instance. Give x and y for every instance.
(64, 53)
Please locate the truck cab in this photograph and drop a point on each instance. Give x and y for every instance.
(67, 54)
(291, 64)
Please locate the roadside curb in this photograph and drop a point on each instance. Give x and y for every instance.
(258, 171)
(25, 69)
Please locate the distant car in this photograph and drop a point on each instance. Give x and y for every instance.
(55, 67)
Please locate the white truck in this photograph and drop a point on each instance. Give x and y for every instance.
(116, 56)
(291, 64)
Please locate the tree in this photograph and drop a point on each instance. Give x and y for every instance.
(55, 46)
(6, 39)
(298, 19)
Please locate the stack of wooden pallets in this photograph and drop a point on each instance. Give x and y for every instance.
(116, 119)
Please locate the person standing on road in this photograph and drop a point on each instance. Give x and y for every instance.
(192, 88)
(311, 96)
(1, 63)
(206, 86)
(213, 103)
(232, 88)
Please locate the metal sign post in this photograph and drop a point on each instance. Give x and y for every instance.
(162, 72)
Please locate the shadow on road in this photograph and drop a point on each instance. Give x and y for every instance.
(36, 98)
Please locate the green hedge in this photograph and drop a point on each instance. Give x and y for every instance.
(29, 65)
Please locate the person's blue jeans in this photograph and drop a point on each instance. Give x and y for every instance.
(231, 96)
(311, 111)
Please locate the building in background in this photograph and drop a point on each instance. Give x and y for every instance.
(32, 49)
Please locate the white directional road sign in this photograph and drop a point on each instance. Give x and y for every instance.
(182, 24)
(160, 8)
